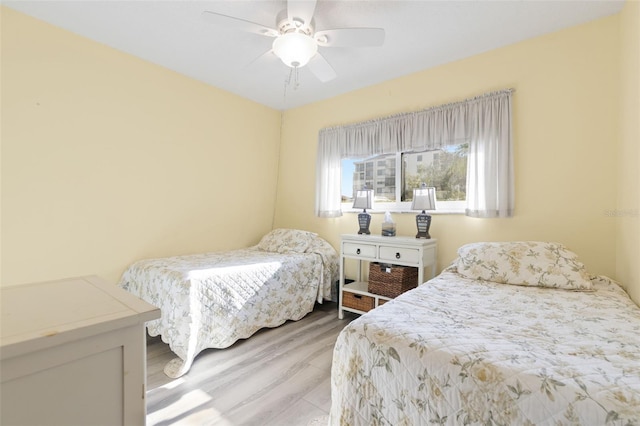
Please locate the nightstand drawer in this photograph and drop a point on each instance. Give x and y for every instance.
(394, 254)
(361, 250)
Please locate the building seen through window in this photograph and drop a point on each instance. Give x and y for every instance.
(394, 176)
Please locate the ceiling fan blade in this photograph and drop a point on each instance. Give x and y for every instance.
(350, 37)
(262, 59)
(319, 66)
(301, 10)
(229, 22)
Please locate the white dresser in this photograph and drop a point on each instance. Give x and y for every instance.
(405, 251)
(73, 352)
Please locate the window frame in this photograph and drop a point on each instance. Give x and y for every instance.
(442, 207)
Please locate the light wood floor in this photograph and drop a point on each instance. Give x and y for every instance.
(278, 376)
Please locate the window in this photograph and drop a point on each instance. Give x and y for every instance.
(445, 169)
(484, 122)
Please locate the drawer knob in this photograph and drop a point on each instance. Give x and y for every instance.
(357, 251)
(398, 255)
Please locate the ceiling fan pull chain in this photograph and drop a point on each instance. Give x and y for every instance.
(296, 78)
(284, 92)
(293, 79)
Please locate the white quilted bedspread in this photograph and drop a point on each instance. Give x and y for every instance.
(457, 351)
(211, 300)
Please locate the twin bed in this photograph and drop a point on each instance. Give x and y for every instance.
(212, 300)
(510, 333)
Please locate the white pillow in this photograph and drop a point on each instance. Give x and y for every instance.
(527, 263)
(283, 240)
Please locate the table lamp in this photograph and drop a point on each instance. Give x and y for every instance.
(424, 198)
(363, 200)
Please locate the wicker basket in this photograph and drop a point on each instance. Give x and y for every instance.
(357, 301)
(391, 280)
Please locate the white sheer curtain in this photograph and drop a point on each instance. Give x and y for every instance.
(490, 161)
(484, 122)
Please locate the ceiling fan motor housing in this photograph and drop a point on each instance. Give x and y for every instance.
(286, 25)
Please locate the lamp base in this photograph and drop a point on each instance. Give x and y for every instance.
(364, 219)
(423, 222)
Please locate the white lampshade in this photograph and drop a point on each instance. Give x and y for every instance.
(363, 199)
(424, 198)
(295, 49)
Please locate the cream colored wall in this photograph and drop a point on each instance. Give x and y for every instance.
(566, 108)
(107, 159)
(628, 206)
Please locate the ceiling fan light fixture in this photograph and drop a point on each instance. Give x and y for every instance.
(295, 49)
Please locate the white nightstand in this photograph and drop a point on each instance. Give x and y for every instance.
(405, 251)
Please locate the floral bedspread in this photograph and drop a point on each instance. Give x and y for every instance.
(460, 351)
(211, 300)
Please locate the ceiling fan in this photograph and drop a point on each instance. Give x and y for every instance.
(296, 40)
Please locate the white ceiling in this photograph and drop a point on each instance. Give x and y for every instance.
(419, 35)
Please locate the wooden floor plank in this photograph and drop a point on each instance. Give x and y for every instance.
(320, 395)
(279, 376)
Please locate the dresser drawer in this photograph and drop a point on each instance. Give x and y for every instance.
(402, 254)
(359, 250)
